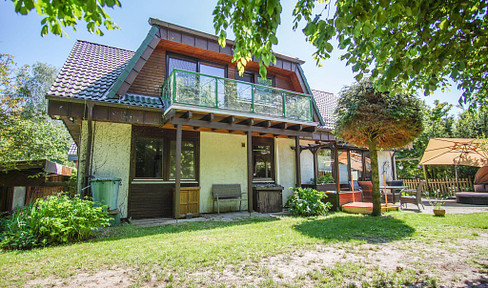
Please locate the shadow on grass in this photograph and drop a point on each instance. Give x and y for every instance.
(364, 228)
(131, 231)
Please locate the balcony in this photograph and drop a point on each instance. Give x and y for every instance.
(206, 91)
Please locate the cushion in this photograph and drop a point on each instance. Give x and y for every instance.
(356, 185)
(396, 183)
(366, 186)
(479, 188)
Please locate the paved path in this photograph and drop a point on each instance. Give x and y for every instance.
(450, 205)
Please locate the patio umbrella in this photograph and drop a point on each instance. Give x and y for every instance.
(454, 151)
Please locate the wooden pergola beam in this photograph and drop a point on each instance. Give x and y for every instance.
(237, 127)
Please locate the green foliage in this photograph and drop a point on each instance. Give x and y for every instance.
(25, 129)
(327, 178)
(66, 13)
(16, 231)
(307, 202)
(405, 45)
(254, 26)
(364, 114)
(55, 220)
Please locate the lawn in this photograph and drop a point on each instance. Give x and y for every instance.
(339, 250)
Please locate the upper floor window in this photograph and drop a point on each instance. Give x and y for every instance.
(194, 65)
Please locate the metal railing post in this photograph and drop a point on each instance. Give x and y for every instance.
(284, 104)
(216, 93)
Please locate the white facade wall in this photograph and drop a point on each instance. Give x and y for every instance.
(223, 160)
(285, 165)
(385, 165)
(306, 163)
(111, 156)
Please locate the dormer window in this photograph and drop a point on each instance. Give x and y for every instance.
(181, 62)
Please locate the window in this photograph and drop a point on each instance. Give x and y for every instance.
(325, 161)
(367, 166)
(181, 64)
(149, 156)
(188, 166)
(194, 65)
(213, 70)
(155, 157)
(356, 164)
(262, 154)
(343, 167)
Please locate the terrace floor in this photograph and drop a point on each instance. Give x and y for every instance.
(450, 206)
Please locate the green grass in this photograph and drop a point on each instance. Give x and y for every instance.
(171, 252)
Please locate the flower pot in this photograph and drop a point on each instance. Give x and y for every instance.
(440, 212)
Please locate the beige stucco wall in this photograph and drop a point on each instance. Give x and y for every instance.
(223, 160)
(306, 163)
(111, 156)
(385, 157)
(285, 165)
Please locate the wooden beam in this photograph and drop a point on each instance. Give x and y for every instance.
(315, 168)
(265, 124)
(247, 122)
(297, 163)
(168, 116)
(282, 125)
(249, 172)
(310, 129)
(178, 171)
(187, 115)
(88, 150)
(230, 120)
(209, 117)
(238, 127)
(297, 127)
(337, 176)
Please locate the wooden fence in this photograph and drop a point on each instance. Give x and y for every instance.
(440, 187)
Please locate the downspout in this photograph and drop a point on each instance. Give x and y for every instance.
(393, 166)
(88, 150)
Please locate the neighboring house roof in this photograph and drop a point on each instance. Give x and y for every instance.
(89, 72)
(326, 103)
(73, 152)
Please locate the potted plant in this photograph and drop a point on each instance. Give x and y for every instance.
(438, 208)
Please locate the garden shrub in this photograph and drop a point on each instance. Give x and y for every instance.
(307, 202)
(54, 220)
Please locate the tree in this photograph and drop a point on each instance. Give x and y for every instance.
(377, 120)
(438, 123)
(67, 13)
(26, 131)
(404, 45)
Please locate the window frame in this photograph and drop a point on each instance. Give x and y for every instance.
(195, 60)
(255, 76)
(264, 141)
(166, 135)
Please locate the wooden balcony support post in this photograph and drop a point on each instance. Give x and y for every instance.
(249, 172)
(297, 162)
(176, 201)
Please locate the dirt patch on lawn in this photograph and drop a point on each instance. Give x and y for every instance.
(105, 278)
(461, 264)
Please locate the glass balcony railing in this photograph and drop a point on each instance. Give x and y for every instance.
(189, 88)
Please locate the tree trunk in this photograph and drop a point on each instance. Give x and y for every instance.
(375, 177)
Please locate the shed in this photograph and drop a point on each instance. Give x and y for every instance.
(22, 182)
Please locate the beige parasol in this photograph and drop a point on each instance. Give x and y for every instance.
(454, 151)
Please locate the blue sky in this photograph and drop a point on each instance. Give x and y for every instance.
(20, 37)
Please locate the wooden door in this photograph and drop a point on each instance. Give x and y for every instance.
(189, 201)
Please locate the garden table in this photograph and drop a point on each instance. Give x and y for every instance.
(395, 190)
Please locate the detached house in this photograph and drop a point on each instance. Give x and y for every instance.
(174, 118)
